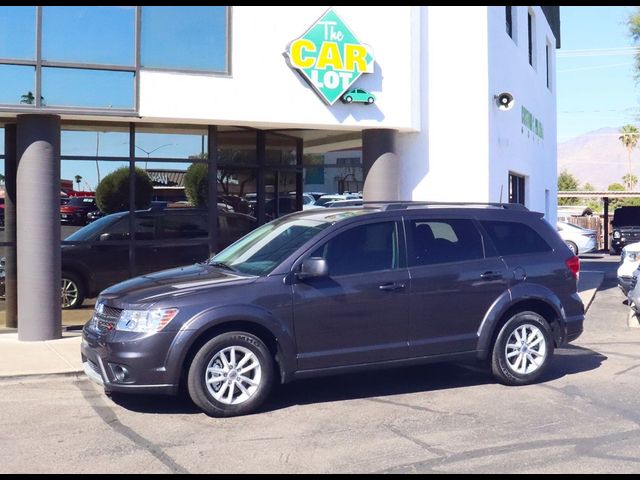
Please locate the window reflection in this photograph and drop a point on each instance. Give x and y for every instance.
(87, 88)
(17, 85)
(189, 38)
(17, 33)
(103, 35)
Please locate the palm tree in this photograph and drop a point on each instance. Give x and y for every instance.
(28, 98)
(629, 136)
(78, 180)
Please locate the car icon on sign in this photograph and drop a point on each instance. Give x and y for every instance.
(358, 95)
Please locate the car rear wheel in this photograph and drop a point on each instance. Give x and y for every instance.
(572, 246)
(72, 291)
(523, 349)
(348, 99)
(370, 100)
(232, 374)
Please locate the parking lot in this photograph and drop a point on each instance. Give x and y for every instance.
(438, 418)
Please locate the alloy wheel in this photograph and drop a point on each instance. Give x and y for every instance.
(233, 375)
(526, 349)
(69, 293)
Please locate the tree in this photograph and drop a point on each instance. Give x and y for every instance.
(78, 180)
(616, 187)
(629, 137)
(588, 187)
(196, 184)
(567, 182)
(630, 181)
(29, 99)
(1, 178)
(112, 193)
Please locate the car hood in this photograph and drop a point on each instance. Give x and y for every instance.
(168, 284)
(633, 247)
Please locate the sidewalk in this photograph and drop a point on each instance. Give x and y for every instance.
(22, 359)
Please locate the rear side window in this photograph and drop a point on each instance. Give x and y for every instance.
(514, 238)
(366, 248)
(185, 226)
(443, 241)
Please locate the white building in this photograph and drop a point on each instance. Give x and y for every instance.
(254, 90)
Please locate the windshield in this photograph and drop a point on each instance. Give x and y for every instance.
(91, 230)
(262, 250)
(81, 201)
(323, 201)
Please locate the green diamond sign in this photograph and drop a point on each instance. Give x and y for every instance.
(330, 57)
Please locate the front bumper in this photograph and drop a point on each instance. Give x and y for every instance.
(624, 283)
(128, 362)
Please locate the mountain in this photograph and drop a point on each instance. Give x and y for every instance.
(597, 157)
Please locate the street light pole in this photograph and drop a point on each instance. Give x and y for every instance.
(149, 152)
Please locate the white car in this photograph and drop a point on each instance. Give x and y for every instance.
(325, 199)
(629, 262)
(309, 202)
(579, 240)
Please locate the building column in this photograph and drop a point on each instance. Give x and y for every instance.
(38, 227)
(380, 165)
(10, 264)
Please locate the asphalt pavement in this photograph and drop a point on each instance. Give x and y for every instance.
(583, 417)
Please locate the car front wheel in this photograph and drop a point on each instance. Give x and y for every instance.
(348, 99)
(72, 291)
(232, 374)
(523, 349)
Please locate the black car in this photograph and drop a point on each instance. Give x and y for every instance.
(625, 228)
(98, 257)
(329, 291)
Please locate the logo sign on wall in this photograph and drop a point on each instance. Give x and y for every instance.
(330, 57)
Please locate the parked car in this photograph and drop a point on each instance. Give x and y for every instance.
(94, 215)
(323, 200)
(579, 240)
(342, 290)
(629, 262)
(344, 203)
(76, 209)
(316, 195)
(99, 258)
(633, 291)
(625, 228)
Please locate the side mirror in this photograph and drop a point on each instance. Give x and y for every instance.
(314, 267)
(104, 237)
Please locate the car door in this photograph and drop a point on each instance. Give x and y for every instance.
(453, 283)
(182, 240)
(359, 313)
(107, 260)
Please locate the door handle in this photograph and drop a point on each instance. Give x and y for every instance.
(391, 287)
(491, 276)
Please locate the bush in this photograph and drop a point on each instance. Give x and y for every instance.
(196, 184)
(112, 194)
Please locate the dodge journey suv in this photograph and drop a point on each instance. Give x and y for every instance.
(329, 291)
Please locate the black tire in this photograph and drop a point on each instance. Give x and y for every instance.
(348, 99)
(370, 100)
(572, 246)
(500, 366)
(197, 385)
(79, 284)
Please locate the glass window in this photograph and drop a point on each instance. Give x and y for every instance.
(531, 38)
(237, 189)
(237, 147)
(165, 142)
(18, 33)
(513, 238)
(280, 150)
(107, 142)
(367, 248)
(184, 38)
(87, 88)
(100, 35)
(145, 227)
(17, 83)
(508, 13)
(184, 225)
(442, 241)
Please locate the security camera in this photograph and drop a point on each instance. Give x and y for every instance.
(505, 101)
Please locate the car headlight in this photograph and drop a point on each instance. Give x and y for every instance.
(616, 234)
(145, 320)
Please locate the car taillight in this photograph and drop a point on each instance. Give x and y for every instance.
(573, 264)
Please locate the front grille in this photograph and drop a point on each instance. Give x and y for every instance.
(106, 317)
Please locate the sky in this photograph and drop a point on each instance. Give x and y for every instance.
(595, 71)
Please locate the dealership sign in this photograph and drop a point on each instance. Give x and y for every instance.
(330, 57)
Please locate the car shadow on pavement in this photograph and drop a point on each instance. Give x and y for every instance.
(569, 360)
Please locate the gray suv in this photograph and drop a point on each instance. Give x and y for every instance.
(330, 291)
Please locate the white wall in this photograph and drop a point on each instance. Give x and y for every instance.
(263, 91)
(447, 160)
(512, 146)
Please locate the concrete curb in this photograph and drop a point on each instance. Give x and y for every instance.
(595, 279)
(39, 376)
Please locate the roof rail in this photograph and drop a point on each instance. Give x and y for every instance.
(403, 205)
